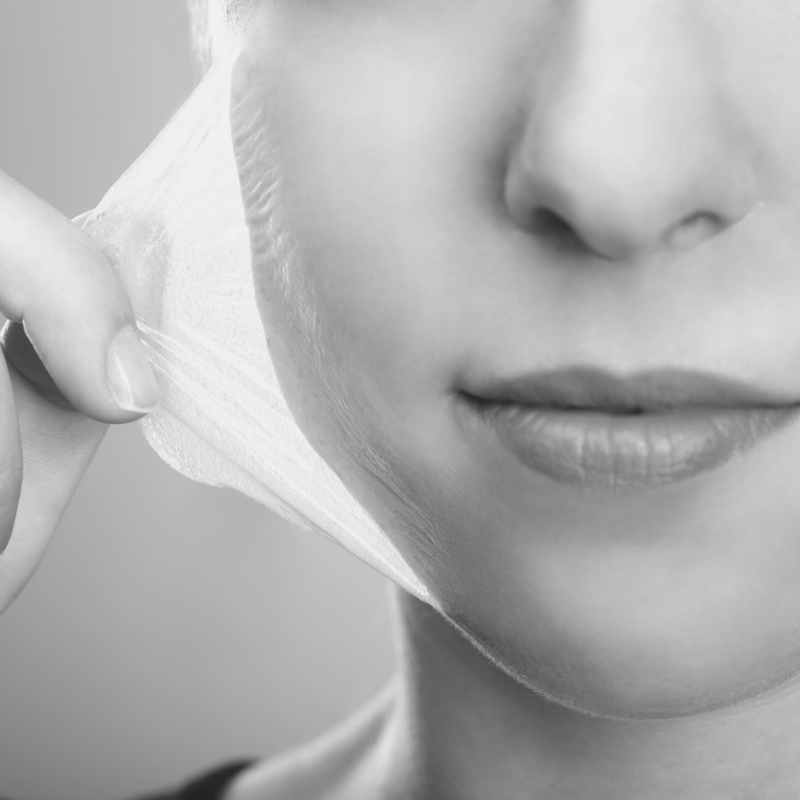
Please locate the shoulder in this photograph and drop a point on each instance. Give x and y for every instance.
(327, 768)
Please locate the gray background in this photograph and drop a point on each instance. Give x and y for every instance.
(172, 625)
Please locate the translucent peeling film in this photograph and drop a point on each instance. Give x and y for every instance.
(175, 226)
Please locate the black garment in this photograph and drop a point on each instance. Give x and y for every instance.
(208, 786)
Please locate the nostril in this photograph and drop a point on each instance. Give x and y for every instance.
(556, 229)
(687, 234)
(692, 230)
(549, 223)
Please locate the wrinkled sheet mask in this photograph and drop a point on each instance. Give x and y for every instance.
(175, 226)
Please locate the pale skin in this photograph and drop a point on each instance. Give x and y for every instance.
(409, 148)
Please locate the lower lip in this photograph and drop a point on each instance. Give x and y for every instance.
(625, 451)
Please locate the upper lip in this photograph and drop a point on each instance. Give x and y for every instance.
(657, 389)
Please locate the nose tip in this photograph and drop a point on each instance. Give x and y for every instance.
(623, 211)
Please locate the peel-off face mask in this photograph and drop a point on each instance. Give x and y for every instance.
(174, 226)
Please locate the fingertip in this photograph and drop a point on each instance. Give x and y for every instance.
(130, 376)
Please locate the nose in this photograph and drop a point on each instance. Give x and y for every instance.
(630, 142)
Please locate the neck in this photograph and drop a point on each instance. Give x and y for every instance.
(467, 731)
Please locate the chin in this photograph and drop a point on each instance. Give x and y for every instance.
(635, 680)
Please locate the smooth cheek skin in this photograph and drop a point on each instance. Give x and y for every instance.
(386, 153)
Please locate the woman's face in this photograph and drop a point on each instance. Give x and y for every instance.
(442, 195)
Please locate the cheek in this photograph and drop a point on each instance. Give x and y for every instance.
(385, 154)
(331, 327)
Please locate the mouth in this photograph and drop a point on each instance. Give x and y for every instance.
(589, 428)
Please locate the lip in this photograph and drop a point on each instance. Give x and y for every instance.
(589, 387)
(585, 427)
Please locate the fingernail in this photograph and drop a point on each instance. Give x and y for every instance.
(129, 374)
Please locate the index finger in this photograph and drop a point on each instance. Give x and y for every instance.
(75, 310)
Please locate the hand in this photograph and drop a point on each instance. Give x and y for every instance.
(72, 365)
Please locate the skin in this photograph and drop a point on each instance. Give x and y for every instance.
(395, 161)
